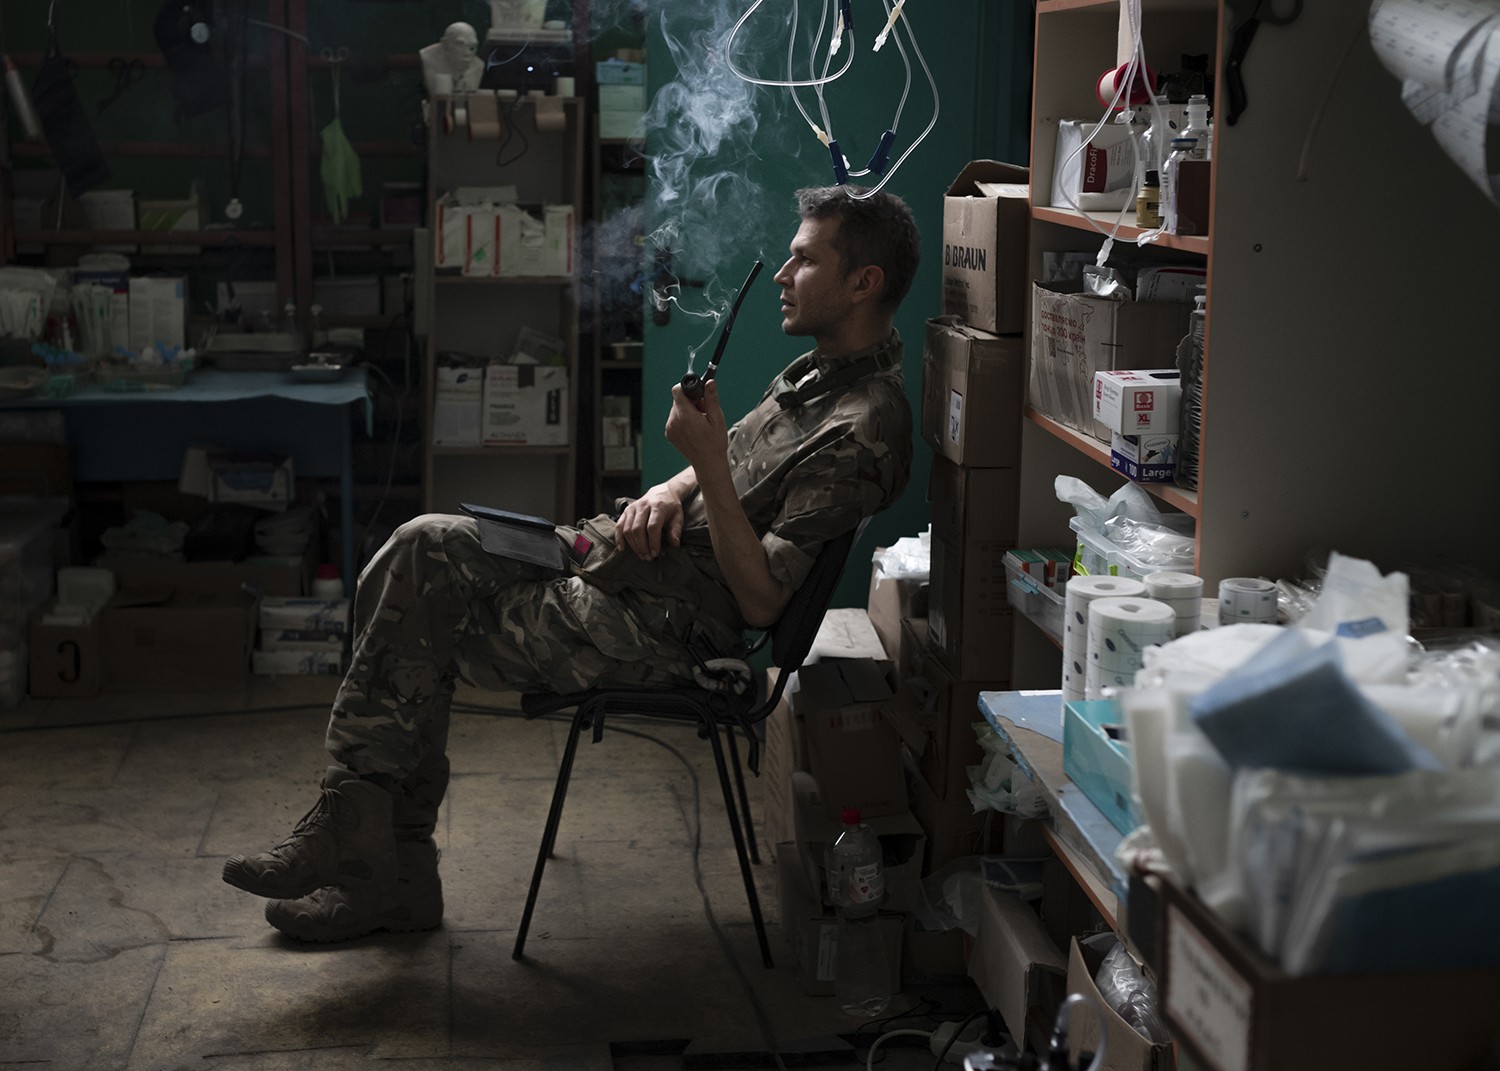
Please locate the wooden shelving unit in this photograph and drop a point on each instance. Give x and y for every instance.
(1336, 332)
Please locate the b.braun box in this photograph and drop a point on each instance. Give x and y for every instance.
(1137, 401)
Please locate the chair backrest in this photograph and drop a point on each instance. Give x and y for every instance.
(793, 634)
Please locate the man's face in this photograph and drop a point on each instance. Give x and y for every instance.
(814, 296)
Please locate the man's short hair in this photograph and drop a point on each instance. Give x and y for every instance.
(876, 229)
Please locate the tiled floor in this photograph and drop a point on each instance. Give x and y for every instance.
(121, 948)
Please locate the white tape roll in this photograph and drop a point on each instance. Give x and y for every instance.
(1247, 600)
(1119, 631)
(1174, 586)
(1082, 590)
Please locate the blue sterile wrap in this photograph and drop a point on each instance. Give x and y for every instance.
(1291, 707)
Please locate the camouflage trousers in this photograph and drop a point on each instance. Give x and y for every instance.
(432, 608)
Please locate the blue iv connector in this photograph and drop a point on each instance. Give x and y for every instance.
(840, 168)
(881, 158)
(846, 7)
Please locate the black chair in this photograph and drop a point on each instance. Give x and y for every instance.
(790, 638)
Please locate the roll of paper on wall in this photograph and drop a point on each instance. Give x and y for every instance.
(20, 100)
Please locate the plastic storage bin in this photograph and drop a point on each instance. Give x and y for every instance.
(1034, 599)
(1098, 556)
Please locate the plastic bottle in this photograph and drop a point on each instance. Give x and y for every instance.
(1182, 149)
(856, 883)
(1190, 414)
(1197, 127)
(1154, 141)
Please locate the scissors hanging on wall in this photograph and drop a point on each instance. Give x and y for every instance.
(127, 72)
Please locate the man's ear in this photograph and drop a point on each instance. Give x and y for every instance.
(868, 283)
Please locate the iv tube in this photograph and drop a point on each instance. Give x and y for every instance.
(729, 58)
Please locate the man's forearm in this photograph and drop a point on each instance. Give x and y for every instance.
(738, 550)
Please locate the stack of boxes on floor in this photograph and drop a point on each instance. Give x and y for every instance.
(894, 733)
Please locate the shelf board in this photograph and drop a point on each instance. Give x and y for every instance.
(620, 474)
(1170, 493)
(334, 237)
(177, 150)
(503, 280)
(492, 451)
(607, 364)
(1191, 243)
(162, 238)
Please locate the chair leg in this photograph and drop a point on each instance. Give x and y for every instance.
(549, 832)
(739, 785)
(739, 848)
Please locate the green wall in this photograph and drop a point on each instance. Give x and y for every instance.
(980, 55)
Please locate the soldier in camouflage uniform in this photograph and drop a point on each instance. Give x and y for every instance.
(673, 582)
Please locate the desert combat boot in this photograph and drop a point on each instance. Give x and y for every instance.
(347, 836)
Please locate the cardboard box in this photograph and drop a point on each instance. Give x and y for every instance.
(458, 407)
(182, 214)
(525, 405)
(158, 312)
(893, 599)
(352, 295)
(251, 479)
(1097, 177)
(973, 390)
(974, 519)
(28, 468)
(1125, 1049)
(305, 614)
(779, 760)
(902, 843)
(851, 749)
(529, 241)
(64, 661)
(1232, 1010)
(291, 662)
(1015, 964)
(272, 577)
(985, 215)
(935, 715)
(1074, 335)
(1192, 197)
(615, 72)
(1137, 401)
(813, 933)
(951, 827)
(177, 641)
(1150, 457)
(109, 210)
(912, 653)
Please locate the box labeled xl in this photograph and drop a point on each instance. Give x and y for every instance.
(1136, 401)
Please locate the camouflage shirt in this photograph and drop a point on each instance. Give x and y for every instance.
(804, 474)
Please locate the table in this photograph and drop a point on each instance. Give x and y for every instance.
(141, 435)
(1084, 840)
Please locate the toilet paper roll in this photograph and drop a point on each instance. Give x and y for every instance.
(1247, 600)
(484, 117)
(1127, 626)
(565, 87)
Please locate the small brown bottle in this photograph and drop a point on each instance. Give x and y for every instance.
(1148, 201)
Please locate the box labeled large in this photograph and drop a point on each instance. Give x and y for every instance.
(851, 749)
(525, 405)
(973, 392)
(1136, 401)
(985, 215)
(1074, 335)
(1150, 457)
